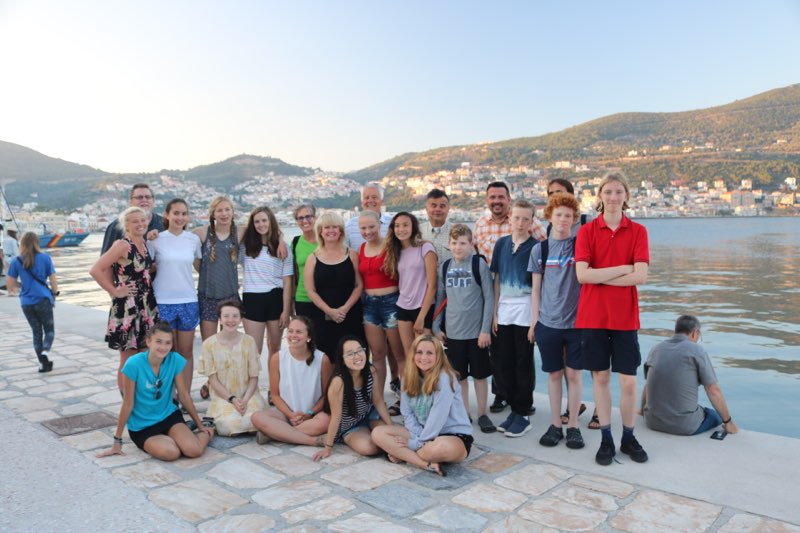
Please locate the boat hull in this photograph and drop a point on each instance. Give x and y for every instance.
(61, 240)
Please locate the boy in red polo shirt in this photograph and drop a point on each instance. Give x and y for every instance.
(612, 258)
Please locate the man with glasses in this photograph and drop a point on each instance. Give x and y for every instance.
(141, 196)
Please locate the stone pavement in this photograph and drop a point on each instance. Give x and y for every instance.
(241, 486)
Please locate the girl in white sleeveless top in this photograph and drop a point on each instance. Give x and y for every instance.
(298, 374)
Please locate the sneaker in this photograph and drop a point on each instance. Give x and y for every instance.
(45, 367)
(498, 405)
(552, 436)
(519, 427)
(606, 453)
(486, 425)
(634, 450)
(262, 438)
(532, 411)
(505, 425)
(574, 439)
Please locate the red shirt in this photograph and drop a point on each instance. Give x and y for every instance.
(371, 269)
(605, 306)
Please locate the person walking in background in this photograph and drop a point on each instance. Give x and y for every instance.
(674, 370)
(380, 302)
(334, 285)
(303, 245)
(30, 268)
(175, 251)
(141, 195)
(10, 251)
(124, 272)
(354, 404)
(412, 262)
(267, 280)
(511, 323)
(230, 360)
(554, 304)
(437, 228)
(465, 296)
(612, 258)
(437, 428)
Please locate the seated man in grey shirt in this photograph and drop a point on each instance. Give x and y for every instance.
(674, 370)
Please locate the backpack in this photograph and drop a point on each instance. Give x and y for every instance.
(546, 243)
(476, 274)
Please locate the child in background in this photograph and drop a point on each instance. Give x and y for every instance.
(512, 318)
(466, 323)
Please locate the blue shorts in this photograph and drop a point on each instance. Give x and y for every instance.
(557, 346)
(182, 317)
(381, 311)
(602, 349)
(372, 415)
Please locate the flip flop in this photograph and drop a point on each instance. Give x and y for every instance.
(394, 409)
(436, 470)
(204, 394)
(565, 416)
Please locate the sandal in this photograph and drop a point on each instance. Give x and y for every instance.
(204, 394)
(436, 469)
(320, 441)
(394, 409)
(208, 422)
(594, 423)
(565, 416)
(392, 459)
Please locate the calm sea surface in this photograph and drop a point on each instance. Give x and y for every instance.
(740, 276)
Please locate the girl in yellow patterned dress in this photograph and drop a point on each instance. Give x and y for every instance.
(230, 360)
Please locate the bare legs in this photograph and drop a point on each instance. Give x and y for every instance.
(183, 343)
(179, 441)
(481, 387)
(123, 356)
(272, 423)
(208, 328)
(443, 449)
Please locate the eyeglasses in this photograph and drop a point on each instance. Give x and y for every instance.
(354, 353)
(142, 197)
(158, 389)
(304, 218)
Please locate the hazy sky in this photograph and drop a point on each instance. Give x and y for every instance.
(145, 85)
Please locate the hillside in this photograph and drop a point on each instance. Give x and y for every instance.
(757, 137)
(21, 163)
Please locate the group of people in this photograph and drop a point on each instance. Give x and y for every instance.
(424, 306)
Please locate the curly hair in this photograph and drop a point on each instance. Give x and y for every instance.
(562, 199)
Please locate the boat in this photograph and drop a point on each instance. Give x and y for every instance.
(47, 239)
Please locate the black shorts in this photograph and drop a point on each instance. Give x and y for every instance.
(557, 346)
(159, 428)
(468, 359)
(466, 439)
(602, 349)
(410, 315)
(263, 306)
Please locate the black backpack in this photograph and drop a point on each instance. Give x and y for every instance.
(476, 273)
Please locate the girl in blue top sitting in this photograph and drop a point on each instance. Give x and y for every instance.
(155, 423)
(437, 428)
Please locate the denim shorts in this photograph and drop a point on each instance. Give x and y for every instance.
(381, 311)
(364, 423)
(182, 317)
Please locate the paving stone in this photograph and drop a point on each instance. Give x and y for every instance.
(533, 479)
(253, 450)
(105, 398)
(342, 455)
(562, 515)
(747, 523)
(324, 509)
(489, 498)
(209, 456)
(89, 440)
(26, 404)
(70, 425)
(452, 518)
(586, 497)
(87, 381)
(38, 416)
(82, 391)
(290, 494)
(79, 407)
(8, 374)
(616, 488)
(146, 475)
(302, 528)
(241, 473)
(397, 500)
(47, 389)
(516, 524)
(196, 500)
(292, 465)
(132, 455)
(492, 463)
(29, 384)
(243, 523)
(224, 443)
(457, 476)
(366, 475)
(9, 394)
(656, 511)
(366, 523)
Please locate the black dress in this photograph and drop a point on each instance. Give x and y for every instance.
(335, 284)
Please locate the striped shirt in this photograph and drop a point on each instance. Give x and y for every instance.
(350, 420)
(265, 272)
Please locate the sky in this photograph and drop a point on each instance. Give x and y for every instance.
(341, 85)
